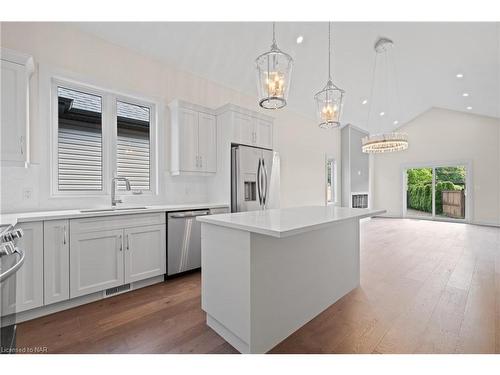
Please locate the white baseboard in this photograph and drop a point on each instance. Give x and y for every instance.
(481, 223)
(486, 224)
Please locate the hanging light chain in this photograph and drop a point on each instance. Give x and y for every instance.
(274, 35)
(329, 51)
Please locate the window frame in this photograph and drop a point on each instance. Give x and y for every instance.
(109, 138)
(328, 159)
(153, 115)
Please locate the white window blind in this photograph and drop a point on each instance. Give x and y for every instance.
(79, 141)
(133, 145)
(80, 147)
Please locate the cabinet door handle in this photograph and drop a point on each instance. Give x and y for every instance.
(128, 243)
(64, 235)
(21, 144)
(121, 243)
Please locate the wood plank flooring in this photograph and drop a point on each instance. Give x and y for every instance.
(426, 287)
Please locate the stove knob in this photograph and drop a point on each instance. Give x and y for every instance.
(7, 237)
(17, 233)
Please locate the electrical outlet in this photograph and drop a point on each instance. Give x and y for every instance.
(27, 194)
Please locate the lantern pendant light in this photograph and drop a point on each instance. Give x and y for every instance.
(274, 69)
(329, 99)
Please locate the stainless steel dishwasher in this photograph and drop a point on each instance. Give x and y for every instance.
(184, 241)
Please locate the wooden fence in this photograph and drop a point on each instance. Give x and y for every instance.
(453, 203)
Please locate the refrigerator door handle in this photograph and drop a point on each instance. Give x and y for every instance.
(259, 182)
(265, 184)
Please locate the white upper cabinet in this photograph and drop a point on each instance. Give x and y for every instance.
(188, 140)
(207, 141)
(193, 138)
(246, 127)
(264, 133)
(16, 69)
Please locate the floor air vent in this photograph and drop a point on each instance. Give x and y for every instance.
(117, 290)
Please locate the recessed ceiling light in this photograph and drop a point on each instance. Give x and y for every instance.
(382, 113)
(364, 101)
(396, 122)
(300, 39)
(460, 75)
(469, 108)
(465, 94)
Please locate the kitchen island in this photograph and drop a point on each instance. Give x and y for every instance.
(267, 273)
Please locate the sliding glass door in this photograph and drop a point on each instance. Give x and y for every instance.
(436, 192)
(450, 188)
(419, 192)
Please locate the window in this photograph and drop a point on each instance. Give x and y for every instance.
(79, 138)
(331, 180)
(99, 135)
(132, 145)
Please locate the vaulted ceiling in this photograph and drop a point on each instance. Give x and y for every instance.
(428, 56)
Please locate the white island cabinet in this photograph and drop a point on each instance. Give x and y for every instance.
(267, 273)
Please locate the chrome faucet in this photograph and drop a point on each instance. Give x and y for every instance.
(114, 201)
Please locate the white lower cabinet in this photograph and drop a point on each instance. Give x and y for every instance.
(96, 261)
(109, 252)
(65, 259)
(55, 261)
(29, 278)
(145, 252)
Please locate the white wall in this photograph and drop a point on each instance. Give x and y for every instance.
(61, 47)
(441, 135)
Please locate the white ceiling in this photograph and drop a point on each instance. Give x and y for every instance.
(427, 56)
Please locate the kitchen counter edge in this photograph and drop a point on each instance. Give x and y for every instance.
(287, 232)
(24, 217)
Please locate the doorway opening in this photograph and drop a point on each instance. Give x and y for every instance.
(437, 192)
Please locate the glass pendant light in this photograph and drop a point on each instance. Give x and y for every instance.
(383, 142)
(274, 69)
(329, 100)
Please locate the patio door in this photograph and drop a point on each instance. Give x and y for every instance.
(437, 192)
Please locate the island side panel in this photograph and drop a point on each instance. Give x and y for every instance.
(225, 283)
(295, 278)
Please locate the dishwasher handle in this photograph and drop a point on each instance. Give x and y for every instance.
(186, 215)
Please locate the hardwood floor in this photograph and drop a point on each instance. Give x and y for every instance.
(426, 287)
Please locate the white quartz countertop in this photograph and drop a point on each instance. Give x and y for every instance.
(288, 221)
(21, 217)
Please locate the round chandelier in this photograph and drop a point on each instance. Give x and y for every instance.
(329, 99)
(387, 142)
(274, 69)
(383, 142)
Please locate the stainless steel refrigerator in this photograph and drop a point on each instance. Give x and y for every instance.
(255, 180)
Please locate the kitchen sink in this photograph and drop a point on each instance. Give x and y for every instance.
(111, 209)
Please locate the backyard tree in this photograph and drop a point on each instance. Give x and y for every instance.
(419, 176)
